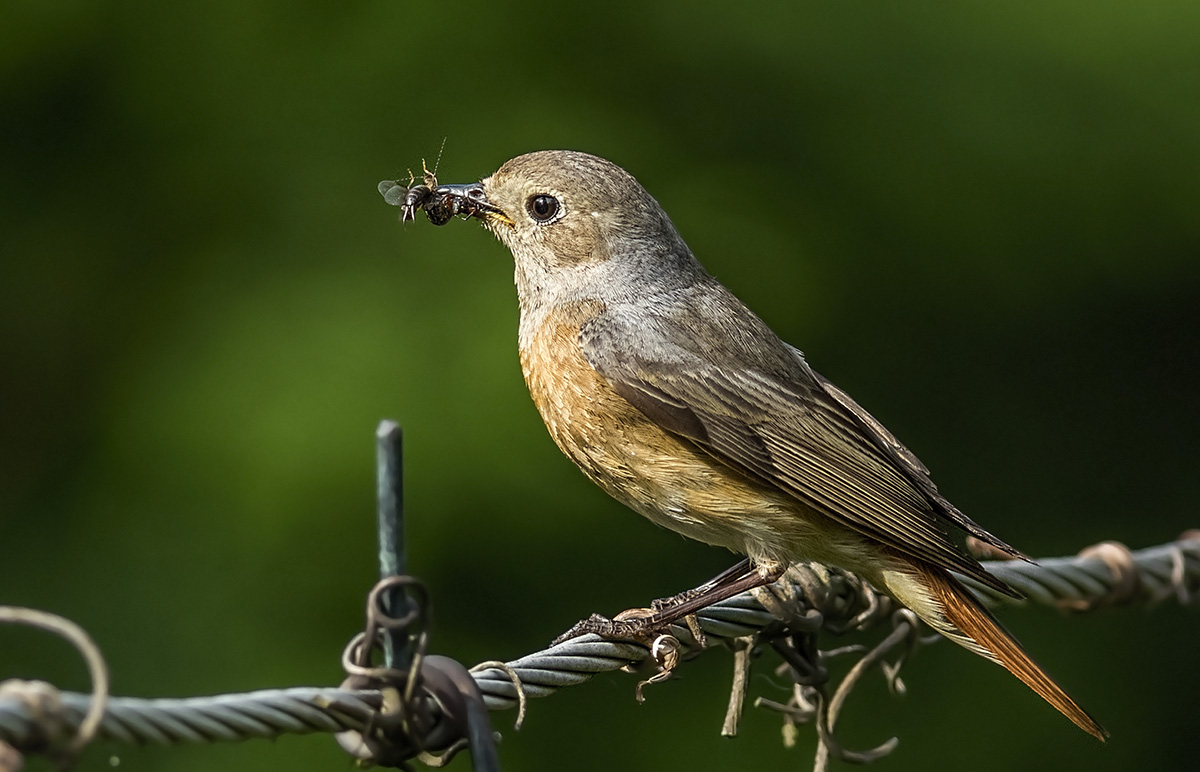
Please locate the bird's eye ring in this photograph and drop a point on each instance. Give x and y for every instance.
(543, 208)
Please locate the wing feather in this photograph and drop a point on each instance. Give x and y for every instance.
(772, 417)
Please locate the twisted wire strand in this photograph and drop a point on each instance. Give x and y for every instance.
(226, 717)
(1096, 576)
(1082, 582)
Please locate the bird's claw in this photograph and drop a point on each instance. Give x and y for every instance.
(638, 625)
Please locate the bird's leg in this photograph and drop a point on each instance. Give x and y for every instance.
(730, 574)
(643, 626)
(725, 585)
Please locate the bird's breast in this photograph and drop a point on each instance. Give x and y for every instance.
(660, 475)
(594, 426)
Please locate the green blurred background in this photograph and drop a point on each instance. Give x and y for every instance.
(981, 219)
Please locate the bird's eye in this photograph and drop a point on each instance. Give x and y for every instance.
(543, 208)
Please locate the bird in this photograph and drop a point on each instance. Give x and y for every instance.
(681, 403)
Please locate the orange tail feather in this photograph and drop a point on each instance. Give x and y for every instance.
(971, 620)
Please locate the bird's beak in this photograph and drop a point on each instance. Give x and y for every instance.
(470, 200)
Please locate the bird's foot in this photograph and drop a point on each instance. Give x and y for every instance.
(640, 625)
(646, 627)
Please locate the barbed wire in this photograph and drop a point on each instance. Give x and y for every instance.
(36, 718)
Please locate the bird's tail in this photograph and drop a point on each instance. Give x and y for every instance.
(953, 611)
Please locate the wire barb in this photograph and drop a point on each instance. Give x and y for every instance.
(430, 710)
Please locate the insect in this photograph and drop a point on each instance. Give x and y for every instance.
(443, 203)
(440, 202)
(409, 197)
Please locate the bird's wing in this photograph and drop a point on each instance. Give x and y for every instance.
(775, 419)
(907, 462)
